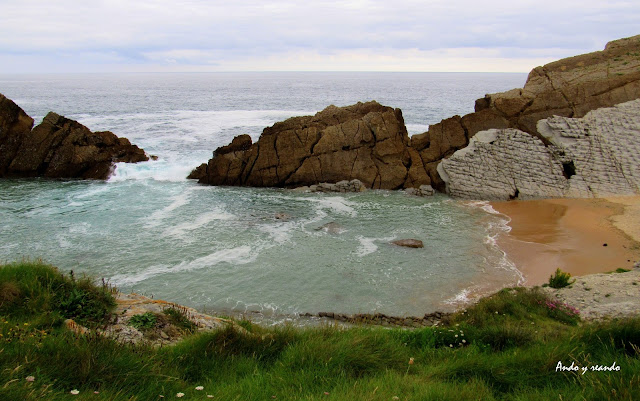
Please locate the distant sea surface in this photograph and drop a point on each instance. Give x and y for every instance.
(151, 231)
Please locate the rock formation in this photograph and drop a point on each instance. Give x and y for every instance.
(369, 142)
(58, 147)
(593, 156)
(570, 87)
(366, 141)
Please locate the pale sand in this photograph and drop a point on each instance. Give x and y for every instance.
(570, 234)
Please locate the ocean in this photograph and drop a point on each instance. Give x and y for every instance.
(150, 230)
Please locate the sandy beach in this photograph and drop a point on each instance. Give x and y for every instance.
(579, 236)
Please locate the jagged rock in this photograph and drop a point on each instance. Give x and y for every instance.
(340, 186)
(570, 87)
(331, 227)
(424, 190)
(366, 141)
(409, 243)
(282, 216)
(58, 147)
(593, 156)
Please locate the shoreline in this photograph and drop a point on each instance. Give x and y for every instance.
(579, 236)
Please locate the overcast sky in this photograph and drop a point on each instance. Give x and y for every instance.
(363, 35)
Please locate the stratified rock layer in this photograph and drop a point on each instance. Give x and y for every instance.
(593, 156)
(366, 141)
(58, 147)
(570, 87)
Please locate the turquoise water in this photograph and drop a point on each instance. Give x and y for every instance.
(150, 230)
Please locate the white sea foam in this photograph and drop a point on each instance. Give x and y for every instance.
(178, 201)
(368, 246)
(336, 204)
(162, 170)
(413, 129)
(235, 256)
(93, 190)
(496, 227)
(200, 221)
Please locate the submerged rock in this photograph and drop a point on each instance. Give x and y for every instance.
(340, 186)
(58, 147)
(331, 228)
(424, 190)
(409, 243)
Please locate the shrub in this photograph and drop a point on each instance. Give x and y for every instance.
(143, 321)
(560, 279)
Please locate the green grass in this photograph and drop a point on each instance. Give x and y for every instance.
(513, 342)
(619, 270)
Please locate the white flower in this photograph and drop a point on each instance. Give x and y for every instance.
(180, 395)
(450, 345)
(199, 388)
(30, 378)
(209, 396)
(464, 341)
(74, 392)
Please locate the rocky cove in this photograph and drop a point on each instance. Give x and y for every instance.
(367, 146)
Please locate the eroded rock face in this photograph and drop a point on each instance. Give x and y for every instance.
(58, 147)
(366, 141)
(593, 156)
(570, 87)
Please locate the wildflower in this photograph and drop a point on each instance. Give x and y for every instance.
(410, 361)
(199, 388)
(74, 392)
(209, 396)
(30, 378)
(326, 393)
(395, 397)
(96, 392)
(180, 395)
(450, 345)
(464, 341)
(456, 336)
(496, 312)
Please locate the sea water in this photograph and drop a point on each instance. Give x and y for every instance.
(150, 230)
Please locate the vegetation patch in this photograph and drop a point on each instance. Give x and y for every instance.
(559, 279)
(506, 347)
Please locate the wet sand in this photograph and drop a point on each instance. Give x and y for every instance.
(579, 236)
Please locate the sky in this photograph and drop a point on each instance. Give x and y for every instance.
(65, 36)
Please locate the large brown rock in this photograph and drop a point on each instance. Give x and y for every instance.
(569, 87)
(366, 141)
(58, 147)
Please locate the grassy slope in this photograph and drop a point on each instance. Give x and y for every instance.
(512, 344)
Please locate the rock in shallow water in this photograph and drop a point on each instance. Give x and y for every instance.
(409, 243)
